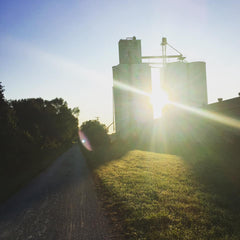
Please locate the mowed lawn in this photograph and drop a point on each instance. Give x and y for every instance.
(159, 196)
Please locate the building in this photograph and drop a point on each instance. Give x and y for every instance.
(229, 107)
(184, 83)
(132, 87)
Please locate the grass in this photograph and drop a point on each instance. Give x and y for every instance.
(161, 196)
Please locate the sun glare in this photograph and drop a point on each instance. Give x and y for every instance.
(159, 98)
(159, 101)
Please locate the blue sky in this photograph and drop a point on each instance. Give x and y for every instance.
(67, 48)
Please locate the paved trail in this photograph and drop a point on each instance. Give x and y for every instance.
(59, 204)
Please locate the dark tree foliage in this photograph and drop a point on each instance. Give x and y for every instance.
(31, 131)
(1, 93)
(7, 123)
(96, 133)
(49, 123)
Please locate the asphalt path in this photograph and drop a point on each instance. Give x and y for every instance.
(60, 203)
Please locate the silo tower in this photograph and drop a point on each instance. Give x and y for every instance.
(131, 109)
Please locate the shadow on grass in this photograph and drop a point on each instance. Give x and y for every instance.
(215, 163)
(209, 148)
(104, 154)
(217, 166)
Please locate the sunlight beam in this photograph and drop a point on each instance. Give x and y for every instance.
(220, 118)
(126, 87)
(159, 100)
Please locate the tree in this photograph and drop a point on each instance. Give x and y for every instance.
(96, 133)
(49, 123)
(75, 112)
(7, 120)
(1, 93)
(32, 131)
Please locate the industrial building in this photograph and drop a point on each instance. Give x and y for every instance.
(229, 107)
(184, 82)
(131, 109)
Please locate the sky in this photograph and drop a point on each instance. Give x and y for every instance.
(66, 48)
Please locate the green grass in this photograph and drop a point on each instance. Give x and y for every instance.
(161, 196)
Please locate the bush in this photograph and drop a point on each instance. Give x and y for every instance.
(96, 133)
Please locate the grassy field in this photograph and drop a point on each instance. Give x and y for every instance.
(160, 196)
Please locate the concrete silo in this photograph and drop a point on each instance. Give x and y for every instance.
(185, 82)
(131, 108)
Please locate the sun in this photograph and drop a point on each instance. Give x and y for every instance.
(159, 100)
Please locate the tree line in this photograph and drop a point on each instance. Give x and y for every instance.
(31, 132)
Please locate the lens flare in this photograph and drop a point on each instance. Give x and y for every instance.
(84, 140)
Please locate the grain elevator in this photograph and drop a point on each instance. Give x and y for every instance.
(131, 108)
(184, 82)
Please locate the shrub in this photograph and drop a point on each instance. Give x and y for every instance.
(96, 133)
